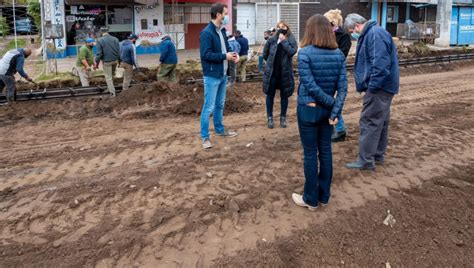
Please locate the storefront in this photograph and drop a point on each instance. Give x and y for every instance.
(149, 19)
(83, 20)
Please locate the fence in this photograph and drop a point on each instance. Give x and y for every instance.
(418, 31)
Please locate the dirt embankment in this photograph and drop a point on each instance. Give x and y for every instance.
(147, 100)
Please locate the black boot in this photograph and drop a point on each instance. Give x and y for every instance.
(338, 136)
(283, 122)
(270, 123)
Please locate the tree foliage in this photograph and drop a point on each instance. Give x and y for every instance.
(4, 29)
(34, 10)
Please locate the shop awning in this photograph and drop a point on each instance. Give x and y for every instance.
(107, 2)
(423, 5)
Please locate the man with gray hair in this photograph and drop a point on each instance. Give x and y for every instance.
(376, 73)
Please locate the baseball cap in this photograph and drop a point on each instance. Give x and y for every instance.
(90, 40)
(133, 36)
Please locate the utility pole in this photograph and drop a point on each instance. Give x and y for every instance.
(14, 25)
(43, 40)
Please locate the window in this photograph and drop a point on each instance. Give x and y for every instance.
(155, 22)
(144, 23)
(84, 21)
(120, 18)
(392, 14)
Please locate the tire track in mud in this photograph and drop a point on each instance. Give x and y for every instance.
(182, 209)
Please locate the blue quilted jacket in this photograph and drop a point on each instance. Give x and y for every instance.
(322, 73)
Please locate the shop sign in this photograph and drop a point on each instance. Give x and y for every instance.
(85, 10)
(58, 18)
(153, 37)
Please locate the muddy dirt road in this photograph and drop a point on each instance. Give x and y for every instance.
(112, 191)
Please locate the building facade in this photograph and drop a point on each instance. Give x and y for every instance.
(149, 19)
(183, 20)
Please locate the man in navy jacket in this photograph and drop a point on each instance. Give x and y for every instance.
(376, 73)
(128, 58)
(215, 58)
(168, 60)
(243, 54)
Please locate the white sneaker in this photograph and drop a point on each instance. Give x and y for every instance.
(206, 144)
(228, 134)
(298, 199)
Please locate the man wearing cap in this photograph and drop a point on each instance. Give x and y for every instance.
(128, 59)
(85, 61)
(243, 54)
(108, 51)
(168, 60)
(11, 63)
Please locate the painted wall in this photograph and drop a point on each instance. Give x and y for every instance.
(462, 26)
(155, 24)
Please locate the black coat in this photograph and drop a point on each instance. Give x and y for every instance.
(343, 41)
(289, 48)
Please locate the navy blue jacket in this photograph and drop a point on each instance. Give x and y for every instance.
(376, 65)
(127, 52)
(168, 52)
(212, 58)
(322, 74)
(234, 46)
(244, 45)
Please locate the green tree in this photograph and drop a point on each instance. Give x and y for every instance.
(4, 29)
(34, 10)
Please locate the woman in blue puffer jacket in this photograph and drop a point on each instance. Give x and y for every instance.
(322, 71)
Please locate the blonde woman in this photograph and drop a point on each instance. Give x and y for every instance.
(278, 54)
(344, 43)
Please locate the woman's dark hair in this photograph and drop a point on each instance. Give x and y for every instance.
(319, 32)
(216, 9)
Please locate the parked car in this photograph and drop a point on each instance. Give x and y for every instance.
(25, 26)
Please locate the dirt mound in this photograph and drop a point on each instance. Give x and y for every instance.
(148, 100)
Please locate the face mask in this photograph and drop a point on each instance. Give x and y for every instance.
(90, 46)
(355, 35)
(283, 31)
(266, 38)
(226, 20)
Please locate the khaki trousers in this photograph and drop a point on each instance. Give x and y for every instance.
(127, 75)
(109, 73)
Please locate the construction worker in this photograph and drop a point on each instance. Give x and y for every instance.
(128, 59)
(108, 51)
(243, 55)
(11, 63)
(85, 61)
(168, 60)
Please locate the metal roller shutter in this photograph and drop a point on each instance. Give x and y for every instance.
(291, 15)
(267, 17)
